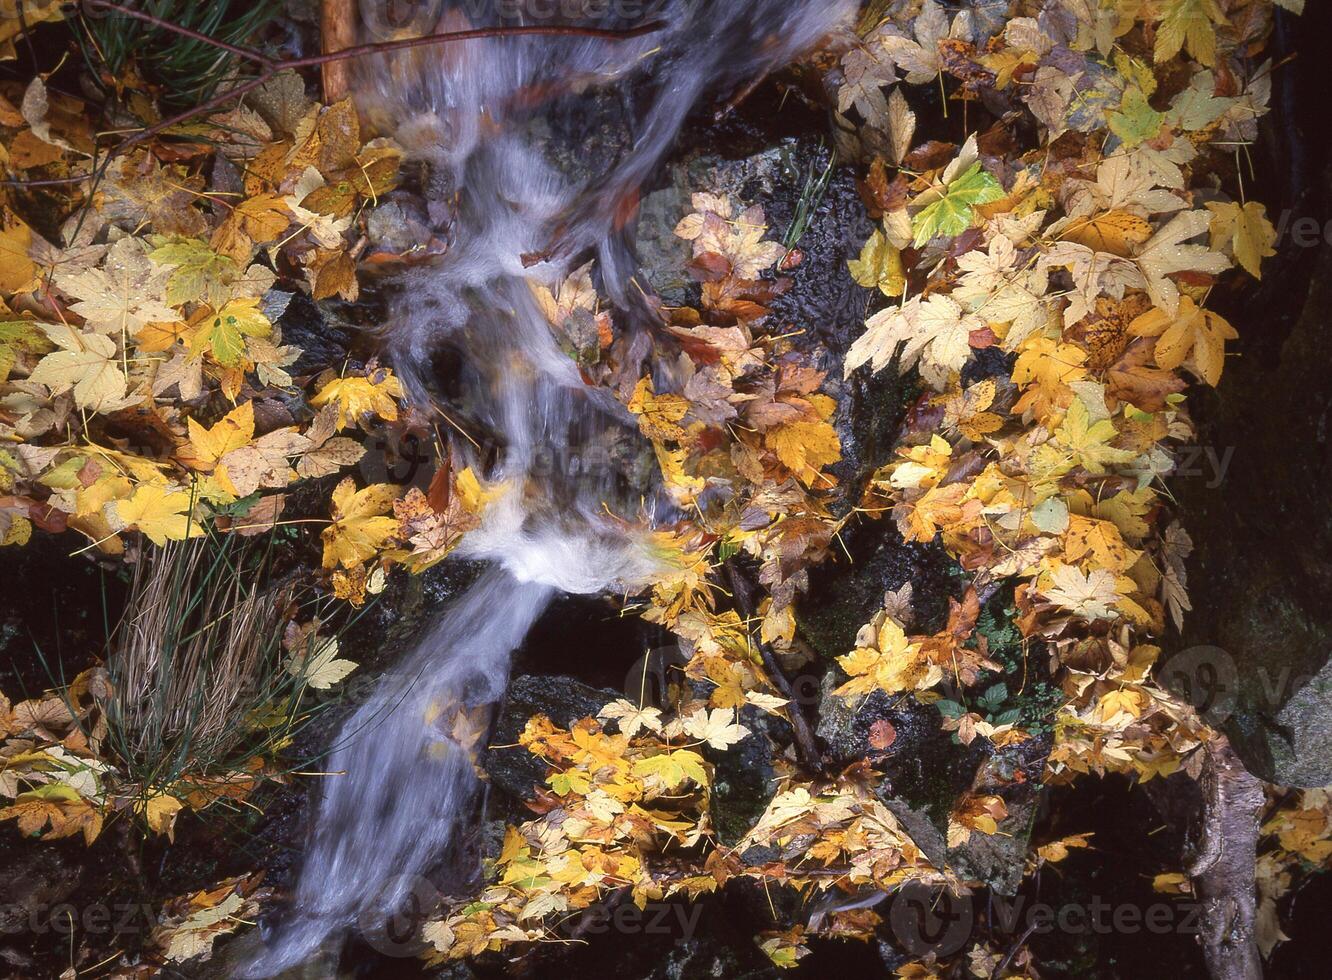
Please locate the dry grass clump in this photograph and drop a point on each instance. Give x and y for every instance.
(201, 680)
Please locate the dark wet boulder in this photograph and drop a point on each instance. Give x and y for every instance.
(563, 700)
(927, 771)
(1012, 773)
(1256, 497)
(36, 879)
(847, 590)
(744, 777)
(324, 342)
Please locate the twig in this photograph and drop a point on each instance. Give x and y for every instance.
(271, 66)
(337, 33)
(1003, 964)
(806, 747)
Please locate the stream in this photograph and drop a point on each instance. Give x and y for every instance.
(475, 113)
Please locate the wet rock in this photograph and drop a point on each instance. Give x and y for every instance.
(1013, 773)
(826, 225)
(1256, 496)
(845, 593)
(676, 940)
(47, 608)
(232, 955)
(926, 771)
(705, 957)
(581, 136)
(324, 343)
(744, 776)
(1256, 491)
(36, 878)
(387, 629)
(563, 700)
(453, 971)
(662, 254)
(398, 226)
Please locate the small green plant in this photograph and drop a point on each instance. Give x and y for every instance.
(811, 195)
(186, 70)
(1013, 695)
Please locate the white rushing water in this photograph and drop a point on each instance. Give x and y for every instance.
(469, 111)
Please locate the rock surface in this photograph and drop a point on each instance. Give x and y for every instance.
(926, 771)
(1257, 494)
(563, 700)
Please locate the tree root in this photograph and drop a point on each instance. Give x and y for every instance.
(1223, 867)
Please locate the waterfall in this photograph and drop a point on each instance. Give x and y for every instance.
(476, 113)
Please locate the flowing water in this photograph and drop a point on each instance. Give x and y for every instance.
(477, 114)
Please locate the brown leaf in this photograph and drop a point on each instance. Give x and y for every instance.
(337, 277)
(882, 735)
(259, 519)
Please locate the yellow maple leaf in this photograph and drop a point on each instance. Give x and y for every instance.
(473, 494)
(1244, 232)
(1046, 367)
(359, 397)
(805, 448)
(658, 415)
(892, 664)
(1091, 596)
(255, 220)
(18, 273)
(1121, 705)
(159, 812)
(682, 486)
(1097, 544)
(1191, 24)
(163, 513)
(359, 529)
(1192, 330)
(18, 531)
(1116, 232)
(234, 430)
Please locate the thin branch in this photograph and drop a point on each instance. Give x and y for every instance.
(387, 47)
(806, 748)
(271, 66)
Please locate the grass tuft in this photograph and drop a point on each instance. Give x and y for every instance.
(187, 71)
(201, 679)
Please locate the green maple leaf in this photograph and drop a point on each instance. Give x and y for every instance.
(1135, 121)
(955, 210)
(200, 274)
(224, 332)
